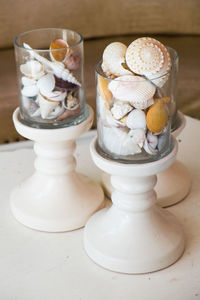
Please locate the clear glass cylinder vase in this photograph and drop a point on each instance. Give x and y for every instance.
(50, 77)
(131, 129)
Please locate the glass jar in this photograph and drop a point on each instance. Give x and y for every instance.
(50, 77)
(129, 129)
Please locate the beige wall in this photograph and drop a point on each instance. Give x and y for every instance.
(95, 18)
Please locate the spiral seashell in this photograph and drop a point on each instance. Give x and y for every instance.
(57, 67)
(147, 56)
(133, 89)
(113, 58)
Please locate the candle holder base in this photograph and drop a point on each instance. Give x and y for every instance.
(134, 235)
(55, 198)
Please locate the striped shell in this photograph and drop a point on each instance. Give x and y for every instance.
(135, 89)
(113, 58)
(147, 56)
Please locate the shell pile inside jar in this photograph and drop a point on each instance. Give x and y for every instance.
(133, 114)
(49, 88)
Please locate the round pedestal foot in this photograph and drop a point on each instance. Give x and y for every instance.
(134, 235)
(173, 184)
(56, 206)
(55, 198)
(137, 244)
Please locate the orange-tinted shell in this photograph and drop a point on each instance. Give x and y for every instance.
(104, 91)
(157, 116)
(56, 45)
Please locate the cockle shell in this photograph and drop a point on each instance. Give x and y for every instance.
(46, 106)
(157, 116)
(136, 119)
(117, 141)
(32, 69)
(104, 92)
(120, 109)
(113, 58)
(147, 56)
(134, 89)
(46, 84)
(57, 68)
(138, 136)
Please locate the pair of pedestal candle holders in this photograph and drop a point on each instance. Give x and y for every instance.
(134, 234)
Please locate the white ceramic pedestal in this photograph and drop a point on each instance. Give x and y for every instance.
(134, 235)
(55, 198)
(173, 184)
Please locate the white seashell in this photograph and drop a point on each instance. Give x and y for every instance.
(58, 68)
(148, 148)
(110, 120)
(135, 89)
(113, 58)
(117, 141)
(120, 109)
(46, 107)
(46, 84)
(152, 139)
(138, 136)
(56, 112)
(136, 119)
(147, 56)
(28, 81)
(32, 69)
(30, 90)
(57, 96)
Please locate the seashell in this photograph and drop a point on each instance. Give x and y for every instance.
(56, 112)
(147, 56)
(113, 58)
(138, 136)
(64, 84)
(28, 81)
(120, 109)
(157, 116)
(110, 120)
(104, 91)
(32, 69)
(135, 89)
(136, 119)
(46, 106)
(72, 62)
(46, 84)
(117, 141)
(57, 96)
(149, 149)
(72, 102)
(152, 139)
(59, 48)
(30, 90)
(58, 68)
(68, 113)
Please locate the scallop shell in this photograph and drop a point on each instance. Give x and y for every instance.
(30, 90)
(32, 69)
(120, 109)
(58, 68)
(147, 56)
(46, 106)
(134, 89)
(117, 141)
(46, 84)
(113, 58)
(136, 119)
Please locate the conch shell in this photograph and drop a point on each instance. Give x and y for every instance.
(135, 89)
(113, 60)
(147, 56)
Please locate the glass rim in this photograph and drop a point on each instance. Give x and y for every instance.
(15, 40)
(134, 74)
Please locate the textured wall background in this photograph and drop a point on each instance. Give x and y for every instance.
(98, 18)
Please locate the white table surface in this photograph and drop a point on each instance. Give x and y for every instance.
(53, 266)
